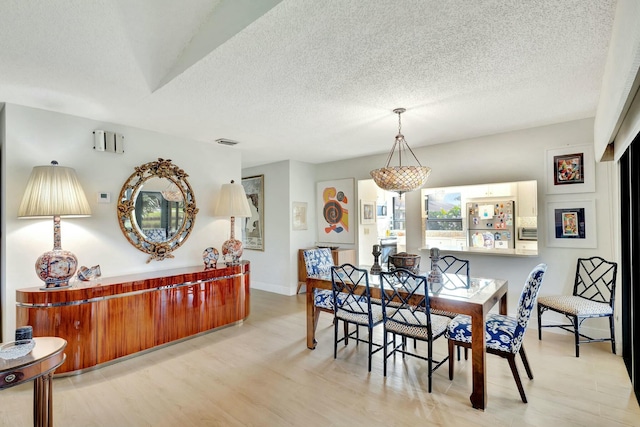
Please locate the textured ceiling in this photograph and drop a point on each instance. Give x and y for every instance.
(308, 80)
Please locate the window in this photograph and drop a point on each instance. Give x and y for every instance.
(443, 211)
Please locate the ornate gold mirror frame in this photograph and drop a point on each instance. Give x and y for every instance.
(171, 209)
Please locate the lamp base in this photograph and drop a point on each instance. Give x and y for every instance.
(232, 248)
(56, 268)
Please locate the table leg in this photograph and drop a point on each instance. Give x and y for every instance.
(311, 314)
(479, 374)
(503, 304)
(43, 401)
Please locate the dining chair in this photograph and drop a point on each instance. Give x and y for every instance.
(318, 263)
(593, 296)
(455, 275)
(503, 334)
(352, 305)
(406, 313)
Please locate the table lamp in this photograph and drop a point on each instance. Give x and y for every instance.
(232, 202)
(54, 191)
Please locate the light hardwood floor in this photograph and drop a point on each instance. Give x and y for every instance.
(260, 373)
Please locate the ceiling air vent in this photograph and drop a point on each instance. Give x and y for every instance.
(225, 141)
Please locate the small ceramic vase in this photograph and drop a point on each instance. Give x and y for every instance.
(210, 257)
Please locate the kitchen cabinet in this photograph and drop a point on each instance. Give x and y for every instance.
(527, 204)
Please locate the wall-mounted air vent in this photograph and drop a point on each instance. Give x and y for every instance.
(527, 233)
(110, 142)
(225, 141)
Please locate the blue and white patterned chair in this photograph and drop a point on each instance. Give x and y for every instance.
(593, 295)
(318, 263)
(352, 303)
(504, 334)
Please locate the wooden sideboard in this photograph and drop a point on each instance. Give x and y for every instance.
(109, 318)
(340, 256)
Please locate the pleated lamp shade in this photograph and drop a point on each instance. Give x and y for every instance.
(53, 191)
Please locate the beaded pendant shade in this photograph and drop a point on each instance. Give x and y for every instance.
(401, 178)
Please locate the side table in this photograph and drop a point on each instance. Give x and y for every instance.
(39, 366)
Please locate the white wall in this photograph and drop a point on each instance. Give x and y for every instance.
(303, 189)
(270, 269)
(35, 137)
(513, 156)
(367, 233)
(276, 269)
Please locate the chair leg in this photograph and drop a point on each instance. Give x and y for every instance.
(316, 316)
(346, 333)
(576, 333)
(335, 337)
(430, 361)
(466, 353)
(370, 346)
(516, 376)
(539, 323)
(385, 352)
(613, 334)
(451, 360)
(525, 362)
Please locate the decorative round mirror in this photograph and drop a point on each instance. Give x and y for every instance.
(157, 209)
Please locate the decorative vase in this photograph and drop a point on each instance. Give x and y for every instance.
(210, 258)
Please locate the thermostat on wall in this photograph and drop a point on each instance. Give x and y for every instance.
(104, 197)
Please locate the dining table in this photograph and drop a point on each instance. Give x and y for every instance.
(476, 300)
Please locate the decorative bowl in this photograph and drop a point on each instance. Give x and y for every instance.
(16, 349)
(404, 260)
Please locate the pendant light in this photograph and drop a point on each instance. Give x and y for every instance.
(401, 178)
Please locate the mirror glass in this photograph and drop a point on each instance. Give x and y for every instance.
(157, 209)
(499, 218)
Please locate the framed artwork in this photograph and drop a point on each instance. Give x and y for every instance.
(367, 212)
(299, 215)
(253, 226)
(571, 169)
(335, 201)
(572, 224)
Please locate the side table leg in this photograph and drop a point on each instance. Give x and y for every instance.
(43, 401)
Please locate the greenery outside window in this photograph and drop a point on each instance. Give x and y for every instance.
(443, 212)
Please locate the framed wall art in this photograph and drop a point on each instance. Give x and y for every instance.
(299, 215)
(572, 224)
(571, 169)
(335, 201)
(253, 227)
(367, 212)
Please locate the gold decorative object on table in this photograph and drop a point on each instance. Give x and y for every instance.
(401, 178)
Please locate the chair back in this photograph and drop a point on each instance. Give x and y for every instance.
(457, 272)
(596, 280)
(318, 262)
(405, 298)
(351, 293)
(527, 300)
